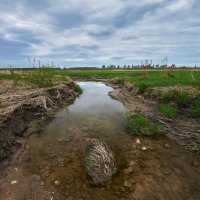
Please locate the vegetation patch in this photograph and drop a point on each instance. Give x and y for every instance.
(168, 110)
(140, 125)
(3, 154)
(196, 148)
(78, 89)
(39, 127)
(142, 87)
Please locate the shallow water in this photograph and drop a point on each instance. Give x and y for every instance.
(58, 155)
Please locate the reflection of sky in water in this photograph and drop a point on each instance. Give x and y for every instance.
(93, 108)
(95, 99)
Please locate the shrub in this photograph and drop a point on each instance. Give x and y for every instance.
(168, 110)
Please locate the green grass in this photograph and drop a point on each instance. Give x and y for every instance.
(140, 125)
(137, 122)
(39, 126)
(196, 148)
(142, 87)
(168, 110)
(44, 77)
(2, 153)
(181, 98)
(78, 89)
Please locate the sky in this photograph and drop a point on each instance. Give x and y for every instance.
(96, 32)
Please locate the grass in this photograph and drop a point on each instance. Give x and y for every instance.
(2, 153)
(168, 110)
(39, 127)
(196, 148)
(45, 77)
(142, 87)
(140, 125)
(137, 122)
(78, 89)
(89, 162)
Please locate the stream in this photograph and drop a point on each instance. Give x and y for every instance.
(52, 165)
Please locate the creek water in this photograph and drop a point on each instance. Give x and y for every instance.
(52, 166)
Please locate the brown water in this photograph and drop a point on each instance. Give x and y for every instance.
(58, 154)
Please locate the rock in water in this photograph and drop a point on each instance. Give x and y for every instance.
(100, 162)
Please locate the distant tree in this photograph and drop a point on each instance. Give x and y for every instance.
(103, 66)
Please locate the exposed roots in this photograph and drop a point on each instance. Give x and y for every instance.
(100, 162)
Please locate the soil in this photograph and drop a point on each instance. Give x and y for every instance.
(184, 129)
(21, 106)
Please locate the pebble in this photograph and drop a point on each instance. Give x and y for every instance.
(144, 148)
(138, 141)
(167, 146)
(42, 184)
(57, 183)
(14, 182)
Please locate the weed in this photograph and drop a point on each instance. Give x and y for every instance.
(2, 153)
(140, 125)
(170, 95)
(137, 122)
(39, 127)
(154, 129)
(89, 161)
(168, 110)
(196, 112)
(78, 89)
(196, 148)
(182, 99)
(142, 87)
(119, 81)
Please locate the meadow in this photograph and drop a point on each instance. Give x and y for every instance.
(45, 77)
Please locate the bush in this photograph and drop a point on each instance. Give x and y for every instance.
(168, 110)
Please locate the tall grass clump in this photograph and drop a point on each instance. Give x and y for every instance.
(142, 87)
(78, 89)
(140, 125)
(168, 110)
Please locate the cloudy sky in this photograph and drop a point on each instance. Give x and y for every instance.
(96, 32)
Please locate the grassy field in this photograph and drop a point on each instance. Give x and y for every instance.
(45, 77)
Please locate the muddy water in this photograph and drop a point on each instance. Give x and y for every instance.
(52, 166)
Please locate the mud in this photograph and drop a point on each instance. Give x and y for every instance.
(184, 129)
(21, 106)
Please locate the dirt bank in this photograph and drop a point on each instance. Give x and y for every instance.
(184, 129)
(23, 107)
